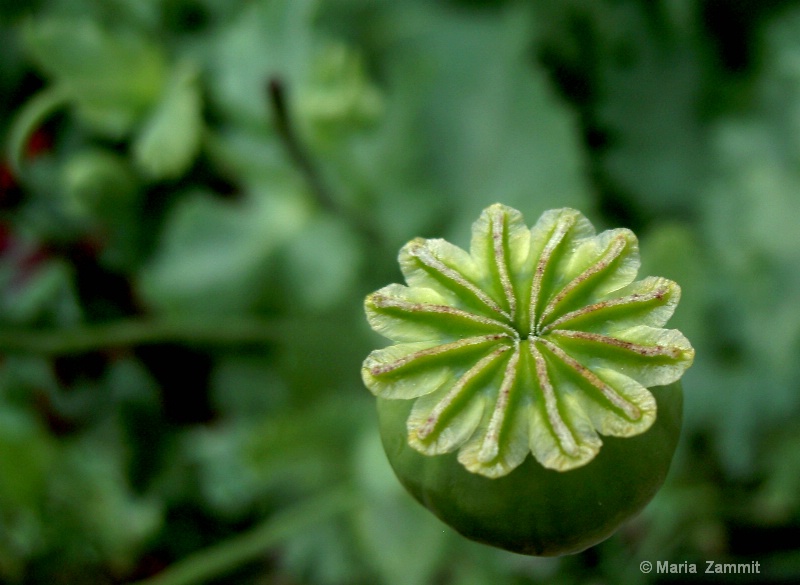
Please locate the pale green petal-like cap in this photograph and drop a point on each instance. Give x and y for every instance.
(537, 341)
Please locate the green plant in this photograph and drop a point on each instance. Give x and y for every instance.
(536, 341)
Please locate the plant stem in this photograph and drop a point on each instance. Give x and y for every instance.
(299, 156)
(29, 118)
(133, 332)
(225, 556)
(301, 159)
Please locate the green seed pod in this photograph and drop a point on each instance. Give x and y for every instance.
(537, 342)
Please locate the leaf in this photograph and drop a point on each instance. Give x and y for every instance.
(170, 139)
(247, 387)
(323, 263)
(338, 97)
(674, 250)
(777, 500)
(32, 290)
(480, 123)
(749, 212)
(214, 253)
(403, 543)
(659, 145)
(112, 77)
(280, 34)
(101, 515)
(241, 462)
(99, 184)
(324, 555)
(640, 72)
(26, 457)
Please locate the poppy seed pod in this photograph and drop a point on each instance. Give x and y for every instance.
(532, 398)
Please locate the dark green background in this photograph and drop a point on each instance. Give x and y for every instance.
(181, 320)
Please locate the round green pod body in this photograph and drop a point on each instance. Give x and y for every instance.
(534, 510)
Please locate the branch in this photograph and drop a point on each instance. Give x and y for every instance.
(301, 159)
(298, 155)
(134, 332)
(221, 558)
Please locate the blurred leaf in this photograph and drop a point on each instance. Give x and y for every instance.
(111, 522)
(487, 126)
(324, 555)
(26, 457)
(169, 140)
(323, 262)
(337, 97)
(22, 376)
(748, 212)
(288, 453)
(214, 253)
(279, 33)
(112, 77)
(102, 193)
(672, 250)
(752, 203)
(64, 503)
(403, 542)
(99, 184)
(778, 498)
(639, 71)
(247, 387)
(13, 69)
(248, 153)
(681, 518)
(330, 99)
(37, 290)
(651, 104)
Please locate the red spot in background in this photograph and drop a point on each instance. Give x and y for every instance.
(40, 141)
(7, 180)
(10, 193)
(6, 239)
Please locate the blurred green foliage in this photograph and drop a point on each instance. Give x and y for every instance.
(181, 323)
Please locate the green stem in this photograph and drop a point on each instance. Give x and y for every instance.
(225, 556)
(29, 118)
(134, 332)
